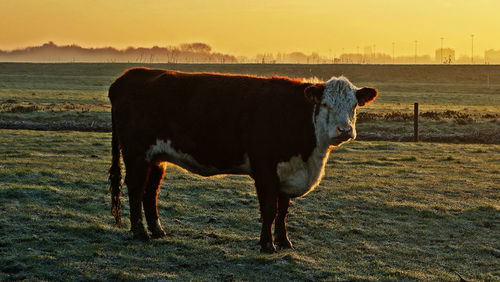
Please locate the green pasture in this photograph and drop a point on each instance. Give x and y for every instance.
(384, 211)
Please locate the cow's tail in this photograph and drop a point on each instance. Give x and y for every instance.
(115, 175)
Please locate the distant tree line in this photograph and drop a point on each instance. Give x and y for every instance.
(202, 53)
(185, 53)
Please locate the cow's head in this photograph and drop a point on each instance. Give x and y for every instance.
(335, 102)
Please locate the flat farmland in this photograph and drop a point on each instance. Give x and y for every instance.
(385, 210)
(457, 103)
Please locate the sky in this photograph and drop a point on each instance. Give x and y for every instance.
(248, 27)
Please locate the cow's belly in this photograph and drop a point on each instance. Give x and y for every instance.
(299, 177)
(162, 151)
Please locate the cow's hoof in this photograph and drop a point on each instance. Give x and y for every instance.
(158, 233)
(156, 230)
(285, 244)
(268, 248)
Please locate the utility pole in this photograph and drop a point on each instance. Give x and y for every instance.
(415, 122)
(441, 50)
(472, 49)
(393, 52)
(416, 42)
(374, 53)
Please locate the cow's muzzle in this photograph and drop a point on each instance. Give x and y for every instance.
(344, 134)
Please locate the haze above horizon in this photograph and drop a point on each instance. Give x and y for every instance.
(250, 27)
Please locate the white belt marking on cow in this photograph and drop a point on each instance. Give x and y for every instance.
(162, 147)
(188, 162)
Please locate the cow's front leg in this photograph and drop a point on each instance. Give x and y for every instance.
(280, 233)
(267, 186)
(268, 203)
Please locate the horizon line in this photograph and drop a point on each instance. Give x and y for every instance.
(256, 54)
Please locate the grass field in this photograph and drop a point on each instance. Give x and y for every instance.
(457, 103)
(385, 210)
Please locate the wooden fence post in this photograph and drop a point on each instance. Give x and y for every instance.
(415, 122)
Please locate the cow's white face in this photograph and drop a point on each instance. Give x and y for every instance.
(336, 101)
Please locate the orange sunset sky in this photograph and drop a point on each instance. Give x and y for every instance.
(328, 27)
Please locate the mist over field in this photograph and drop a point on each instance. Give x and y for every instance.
(203, 53)
(50, 52)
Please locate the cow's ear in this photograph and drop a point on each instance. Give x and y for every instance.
(365, 95)
(314, 93)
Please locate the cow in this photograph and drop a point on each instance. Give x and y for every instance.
(277, 130)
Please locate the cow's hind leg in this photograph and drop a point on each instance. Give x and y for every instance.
(280, 233)
(150, 200)
(137, 174)
(266, 184)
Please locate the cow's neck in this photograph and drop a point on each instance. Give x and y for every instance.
(299, 177)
